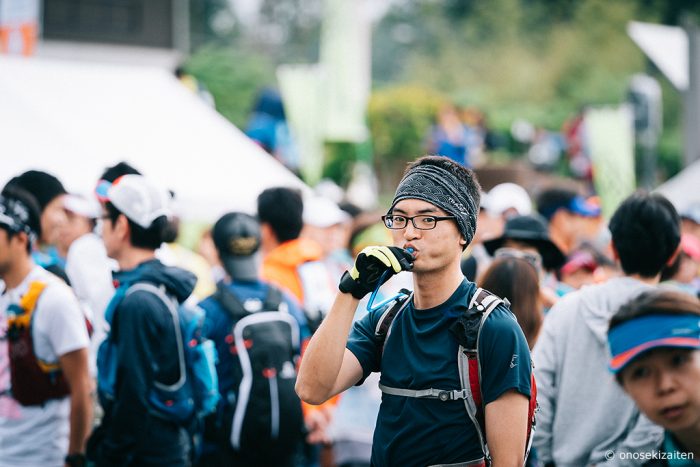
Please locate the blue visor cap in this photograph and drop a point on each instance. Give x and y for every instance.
(579, 205)
(628, 340)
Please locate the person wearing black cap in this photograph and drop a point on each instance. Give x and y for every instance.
(424, 418)
(48, 192)
(275, 328)
(527, 237)
(45, 402)
(529, 234)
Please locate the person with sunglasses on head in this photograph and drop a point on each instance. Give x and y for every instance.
(654, 342)
(583, 413)
(528, 234)
(432, 219)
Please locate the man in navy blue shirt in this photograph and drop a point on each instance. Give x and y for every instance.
(433, 218)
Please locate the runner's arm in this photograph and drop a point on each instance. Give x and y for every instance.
(506, 442)
(327, 367)
(74, 366)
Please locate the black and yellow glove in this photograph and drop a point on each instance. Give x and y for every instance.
(370, 264)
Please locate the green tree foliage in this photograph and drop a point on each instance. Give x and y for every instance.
(535, 59)
(399, 120)
(233, 77)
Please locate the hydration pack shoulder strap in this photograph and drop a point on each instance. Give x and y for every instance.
(229, 301)
(383, 327)
(172, 305)
(273, 300)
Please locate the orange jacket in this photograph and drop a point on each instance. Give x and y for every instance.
(279, 267)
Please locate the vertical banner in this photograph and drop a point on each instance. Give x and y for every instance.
(301, 87)
(346, 58)
(610, 139)
(19, 26)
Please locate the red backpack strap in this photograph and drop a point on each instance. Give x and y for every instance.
(480, 307)
(469, 326)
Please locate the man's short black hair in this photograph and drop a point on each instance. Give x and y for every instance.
(646, 232)
(553, 199)
(282, 208)
(33, 211)
(122, 168)
(150, 238)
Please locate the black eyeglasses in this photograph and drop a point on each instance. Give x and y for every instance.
(422, 222)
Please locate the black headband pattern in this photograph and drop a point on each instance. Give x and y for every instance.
(443, 189)
(15, 216)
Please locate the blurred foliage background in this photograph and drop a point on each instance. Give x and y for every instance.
(539, 60)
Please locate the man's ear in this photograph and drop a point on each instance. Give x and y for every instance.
(22, 238)
(121, 225)
(616, 255)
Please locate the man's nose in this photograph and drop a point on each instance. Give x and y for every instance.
(410, 231)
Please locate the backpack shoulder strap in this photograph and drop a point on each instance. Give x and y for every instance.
(229, 301)
(383, 327)
(470, 325)
(274, 299)
(27, 303)
(174, 308)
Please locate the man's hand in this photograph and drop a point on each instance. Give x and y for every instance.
(370, 264)
(317, 422)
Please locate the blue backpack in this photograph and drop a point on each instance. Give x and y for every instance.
(195, 394)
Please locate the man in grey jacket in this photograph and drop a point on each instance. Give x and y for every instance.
(585, 418)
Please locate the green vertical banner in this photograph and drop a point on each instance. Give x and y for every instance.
(610, 140)
(345, 58)
(301, 87)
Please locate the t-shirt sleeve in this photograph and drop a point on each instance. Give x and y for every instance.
(59, 324)
(505, 357)
(363, 344)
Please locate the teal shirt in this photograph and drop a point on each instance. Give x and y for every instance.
(420, 353)
(677, 457)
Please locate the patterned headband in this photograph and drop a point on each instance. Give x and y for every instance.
(443, 189)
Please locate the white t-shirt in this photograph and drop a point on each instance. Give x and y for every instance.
(38, 435)
(90, 273)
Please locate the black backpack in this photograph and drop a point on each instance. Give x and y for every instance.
(262, 415)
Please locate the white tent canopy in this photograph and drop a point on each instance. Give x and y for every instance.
(683, 190)
(75, 119)
(666, 46)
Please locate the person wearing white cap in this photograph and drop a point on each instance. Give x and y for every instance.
(140, 352)
(329, 226)
(87, 266)
(505, 200)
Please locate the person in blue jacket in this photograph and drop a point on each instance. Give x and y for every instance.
(142, 332)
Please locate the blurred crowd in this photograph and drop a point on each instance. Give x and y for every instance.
(264, 282)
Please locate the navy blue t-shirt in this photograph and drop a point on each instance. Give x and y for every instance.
(420, 353)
